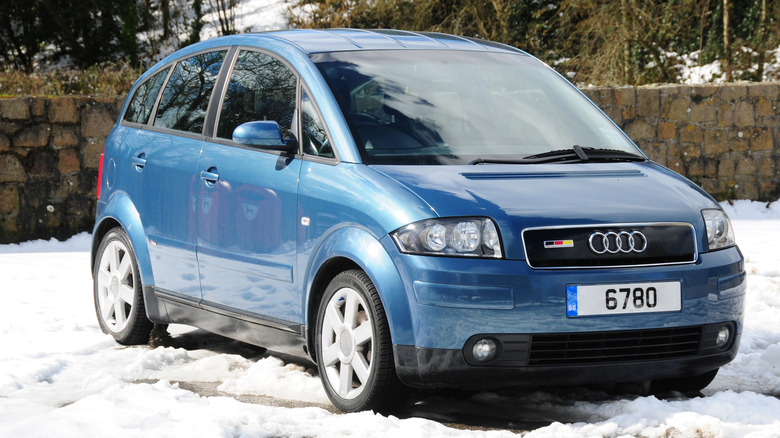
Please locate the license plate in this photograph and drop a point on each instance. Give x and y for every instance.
(613, 299)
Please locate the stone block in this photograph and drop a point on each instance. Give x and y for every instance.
(640, 130)
(691, 134)
(768, 191)
(702, 91)
(648, 102)
(625, 96)
(9, 128)
(744, 114)
(716, 142)
(64, 136)
(9, 200)
(745, 166)
(655, 151)
(731, 93)
(764, 89)
(13, 171)
(15, 109)
(767, 167)
(691, 150)
(726, 168)
(69, 184)
(629, 113)
(746, 187)
(677, 109)
(90, 153)
(68, 161)
(63, 110)
(725, 115)
(614, 113)
(695, 169)
(5, 143)
(666, 130)
(38, 106)
(703, 112)
(711, 185)
(44, 164)
(33, 136)
(766, 107)
(96, 121)
(711, 168)
(738, 142)
(761, 139)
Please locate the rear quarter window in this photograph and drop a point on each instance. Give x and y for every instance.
(142, 103)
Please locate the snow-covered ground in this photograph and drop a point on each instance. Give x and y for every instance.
(61, 377)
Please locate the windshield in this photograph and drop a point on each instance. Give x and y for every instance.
(455, 107)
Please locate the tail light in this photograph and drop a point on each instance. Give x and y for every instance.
(100, 175)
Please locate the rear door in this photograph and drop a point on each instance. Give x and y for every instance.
(167, 161)
(247, 200)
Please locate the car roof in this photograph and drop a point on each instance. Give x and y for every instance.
(312, 41)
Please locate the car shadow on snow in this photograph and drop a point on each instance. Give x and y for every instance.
(510, 409)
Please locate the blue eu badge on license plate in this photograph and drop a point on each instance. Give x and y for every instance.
(571, 300)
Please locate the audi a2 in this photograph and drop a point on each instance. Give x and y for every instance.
(407, 210)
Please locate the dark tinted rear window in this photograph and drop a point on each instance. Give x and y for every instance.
(140, 107)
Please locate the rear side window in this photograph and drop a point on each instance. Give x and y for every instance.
(261, 88)
(186, 96)
(143, 100)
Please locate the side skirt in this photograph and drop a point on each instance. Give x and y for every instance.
(280, 336)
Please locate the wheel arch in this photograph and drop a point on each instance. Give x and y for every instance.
(120, 212)
(356, 248)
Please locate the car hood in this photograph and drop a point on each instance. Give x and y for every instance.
(525, 196)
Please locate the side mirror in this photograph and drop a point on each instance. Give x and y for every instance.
(264, 134)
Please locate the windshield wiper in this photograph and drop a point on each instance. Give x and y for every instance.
(576, 153)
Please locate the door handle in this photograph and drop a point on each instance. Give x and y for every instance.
(139, 161)
(210, 176)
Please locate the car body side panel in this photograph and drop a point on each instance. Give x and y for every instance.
(346, 210)
(246, 238)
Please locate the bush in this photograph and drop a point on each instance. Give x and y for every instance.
(113, 79)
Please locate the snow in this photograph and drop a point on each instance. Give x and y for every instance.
(60, 376)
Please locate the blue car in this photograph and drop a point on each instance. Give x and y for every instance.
(407, 210)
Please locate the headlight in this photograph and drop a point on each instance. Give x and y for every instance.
(466, 237)
(719, 231)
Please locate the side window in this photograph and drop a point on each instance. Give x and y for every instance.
(314, 138)
(141, 104)
(260, 88)
(186, 96)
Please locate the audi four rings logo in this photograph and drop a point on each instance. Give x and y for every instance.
(623, 242)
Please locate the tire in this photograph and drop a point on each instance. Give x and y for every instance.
(119, 301)
(354, 348)
(689, 384)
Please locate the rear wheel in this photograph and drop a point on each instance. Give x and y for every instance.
(354, 349)
(119, 301)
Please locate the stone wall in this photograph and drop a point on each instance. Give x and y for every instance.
(724, 138)
(49, 157)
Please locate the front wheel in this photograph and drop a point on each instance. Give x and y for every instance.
(119, 301)
(354, 349)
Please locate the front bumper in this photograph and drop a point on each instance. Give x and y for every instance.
(452, 300)
(436, 368)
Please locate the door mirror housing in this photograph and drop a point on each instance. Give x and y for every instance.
(265, 135)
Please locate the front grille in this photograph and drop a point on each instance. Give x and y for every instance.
(570, 247)
(613, 346)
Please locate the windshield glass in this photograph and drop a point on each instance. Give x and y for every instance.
(454, 107)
